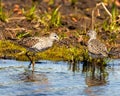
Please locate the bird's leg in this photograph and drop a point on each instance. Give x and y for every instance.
(33, 61)
(28, 56)
(93, 68)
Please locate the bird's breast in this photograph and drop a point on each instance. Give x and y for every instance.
(42, 45)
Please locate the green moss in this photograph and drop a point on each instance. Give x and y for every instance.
(57, 52)
(8, 49)
(62, 53)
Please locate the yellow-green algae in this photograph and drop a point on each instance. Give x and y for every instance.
(56, 53)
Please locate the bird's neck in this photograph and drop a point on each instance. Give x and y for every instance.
(92, 37)
(51, 39)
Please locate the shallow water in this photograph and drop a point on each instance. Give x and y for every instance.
(58, 78)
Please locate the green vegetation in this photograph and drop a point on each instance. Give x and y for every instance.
(51, 2)
(55, 17)
(114, 12)
(65, 24)
(22, 34)
(72, 54)
(56, 53)
(9, 49)
(73, 2)
(48, 19)
(3, 16)
(51, 19)
(31, 13)
(111, 24)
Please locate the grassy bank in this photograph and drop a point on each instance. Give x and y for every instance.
(57, 53)
(70, 19)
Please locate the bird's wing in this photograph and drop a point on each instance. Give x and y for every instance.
(97, 47)
(28, 42)
(92, 48)
(44, 43)
(102, 47)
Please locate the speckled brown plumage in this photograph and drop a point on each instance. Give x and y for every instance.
(28, 42)
(37, 44)
(95, 47)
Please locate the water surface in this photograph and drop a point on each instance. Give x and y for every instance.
(58, 79)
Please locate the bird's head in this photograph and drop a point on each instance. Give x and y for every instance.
(91, 34)
(54, 36)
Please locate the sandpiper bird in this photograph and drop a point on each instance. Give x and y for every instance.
(37, 44)
(96, 48)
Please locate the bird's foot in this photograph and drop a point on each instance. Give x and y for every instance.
(29, 66)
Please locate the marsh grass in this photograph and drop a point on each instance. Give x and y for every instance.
(114, 12)
(56, 17)
(22, 34)
(51, 2)
(31, 13)
(73, 2)
(3, 16)
(47, 19)
(110, 24)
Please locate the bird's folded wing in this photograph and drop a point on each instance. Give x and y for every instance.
(28, 42)
(97, 46)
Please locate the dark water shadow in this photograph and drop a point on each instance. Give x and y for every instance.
(95, 73)
(29, 76)
(36, 83)
(74, 66)
(53, 78)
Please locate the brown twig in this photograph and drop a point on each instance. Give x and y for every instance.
(17, 18)
(105, 10)
(93, 13)
(15, 29)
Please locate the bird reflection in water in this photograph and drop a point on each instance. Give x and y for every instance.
(29, 76)
(74, 66)
(95, 73)
(35, 78)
